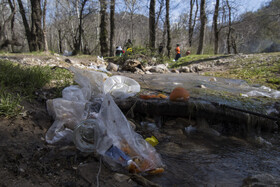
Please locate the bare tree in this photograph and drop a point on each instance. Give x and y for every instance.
(112, 26)
(229, 28)
(132, 6)
(203, 20)
(152, 28)
(167, 21)
(44, 26)
(192, 20)
(103, 28)
(36, 26)
(80, 6)
(216, 30)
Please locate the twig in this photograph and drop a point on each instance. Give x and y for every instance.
(98, 173)
(143, 181)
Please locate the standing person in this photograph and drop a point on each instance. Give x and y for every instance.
(128, 44)
(178, 52)
(160, 48)
(119, 51)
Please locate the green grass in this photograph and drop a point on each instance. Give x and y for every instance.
(21, 82)
(192, 58)
(255, 71)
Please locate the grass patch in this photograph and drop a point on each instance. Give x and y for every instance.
(21, 82)
(254, 71)
(192, 58)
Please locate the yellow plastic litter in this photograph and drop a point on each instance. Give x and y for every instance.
(152, 140)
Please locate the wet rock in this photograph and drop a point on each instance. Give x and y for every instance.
(184, 122)
(138, 71)
(261, 180)
(202, 86)
(175, 71)
(112, 67)
(120, 177)
(213, 79)
(67, 60)
(131, 64)
(185, 69)
(174, 131)
(170, 123)
(132, 124)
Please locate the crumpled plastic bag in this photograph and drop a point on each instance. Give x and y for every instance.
(121, 87)
(116, 141)
(78, 100)
(67, 115)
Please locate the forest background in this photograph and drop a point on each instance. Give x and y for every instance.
(98, 27)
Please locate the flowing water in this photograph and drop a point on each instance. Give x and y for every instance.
(204, 160)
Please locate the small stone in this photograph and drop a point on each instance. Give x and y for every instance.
(185, 69)
(184, 122)
(112, 67)
(170, 123)
(121, 177)
(132, 124)
(202, 86)
(67, 60)
(175, 71)
(174, 131)
(148, 72)
(213, 79)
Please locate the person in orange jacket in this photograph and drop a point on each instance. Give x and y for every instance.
(178, 52)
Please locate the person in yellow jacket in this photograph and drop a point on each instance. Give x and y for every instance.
(178, 52)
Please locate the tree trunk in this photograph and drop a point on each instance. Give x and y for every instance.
(78, 39)
(37, 34)
(13, 10)
(103, 28)
(168, 29)
(192, 21)
(112, 26)
(60, 41)
(152, 22)
(44, 26)
(203, 20)
(26, 25)
(229, 28)
(216, 30)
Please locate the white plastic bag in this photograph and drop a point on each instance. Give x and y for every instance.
(116, 141)
(121, 87)
(67, 115)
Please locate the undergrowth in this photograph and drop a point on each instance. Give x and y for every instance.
(19, 82)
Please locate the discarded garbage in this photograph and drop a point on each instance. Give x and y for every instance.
(98, 123)
(121, 87)
(115, 140)
(179, 94)
(152, 140)
(159, 96)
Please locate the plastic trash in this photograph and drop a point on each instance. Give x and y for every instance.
(121, 87)
(91, 82)
(116, 141)
(73, 93)
(190, 129)
(67, 115)
(152, 140)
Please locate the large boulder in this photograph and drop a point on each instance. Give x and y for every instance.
(161, 68)
(131, 64)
